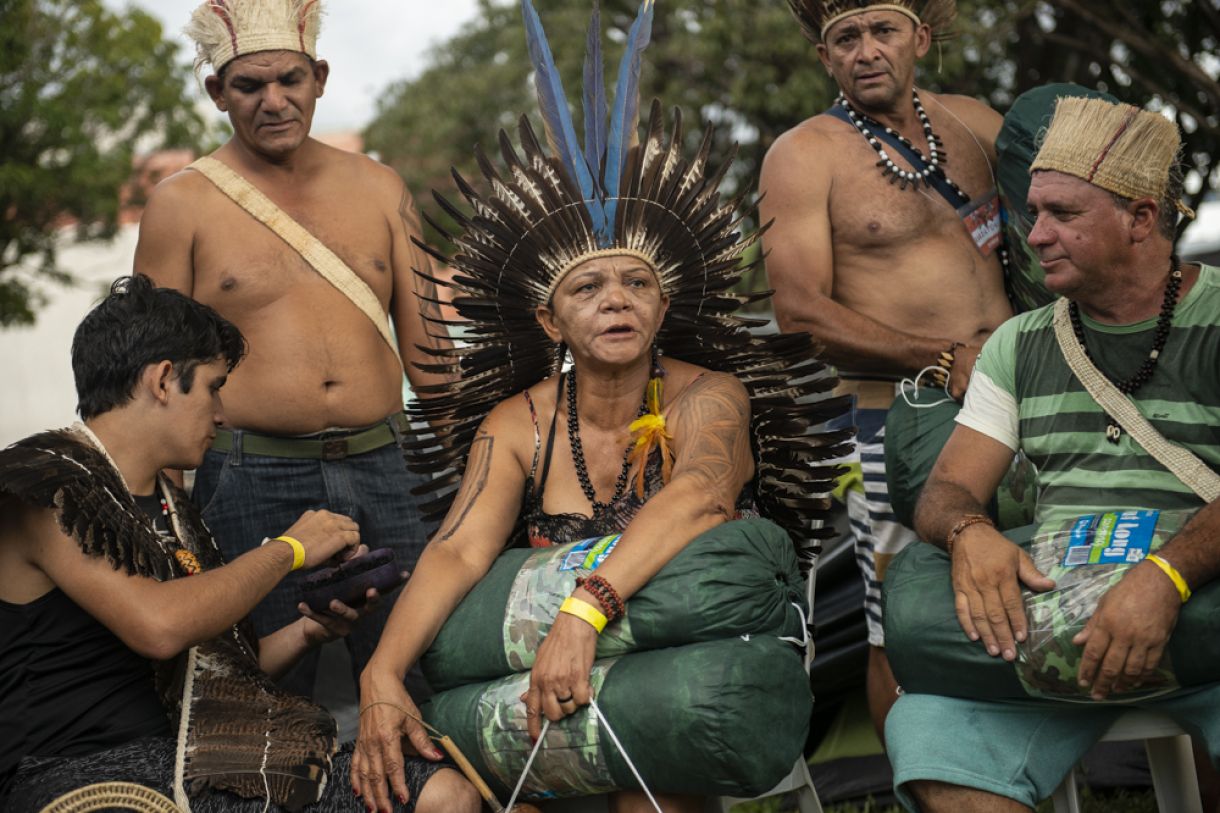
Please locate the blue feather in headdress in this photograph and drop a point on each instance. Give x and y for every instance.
(595, 108)
(625, 118)
(553, 103)
(598, 169)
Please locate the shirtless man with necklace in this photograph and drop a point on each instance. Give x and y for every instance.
(893, 265)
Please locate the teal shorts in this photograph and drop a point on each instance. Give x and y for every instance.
(1019, 749)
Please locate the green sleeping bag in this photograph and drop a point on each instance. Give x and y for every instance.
(914, 437)
(930, 654)
(726, 717)
(739, 578)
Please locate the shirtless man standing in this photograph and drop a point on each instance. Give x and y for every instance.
(879, 266)
(314, 415)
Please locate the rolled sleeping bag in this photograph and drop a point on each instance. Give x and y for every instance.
(914, 437)
(739, 578)
(930, 653)
(726, 717)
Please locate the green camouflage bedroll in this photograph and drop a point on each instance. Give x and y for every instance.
(725, 717)
(1016, 145)
(930, 654)
(913, 440)
(740, 578)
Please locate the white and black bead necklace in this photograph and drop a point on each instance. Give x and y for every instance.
(934, 160)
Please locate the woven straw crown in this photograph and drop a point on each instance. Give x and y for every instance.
(817, 16)
(223, 30)
(1117, 147)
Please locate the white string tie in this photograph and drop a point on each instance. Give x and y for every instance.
(512, 800)
(803, 641)
(546, 724)
(614, 739)
(912, 385)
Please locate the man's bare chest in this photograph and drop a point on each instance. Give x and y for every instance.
(240, 261)
(868, 210)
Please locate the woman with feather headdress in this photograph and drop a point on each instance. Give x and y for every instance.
(671, 418)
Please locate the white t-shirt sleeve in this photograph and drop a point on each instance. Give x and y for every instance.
(990, 409)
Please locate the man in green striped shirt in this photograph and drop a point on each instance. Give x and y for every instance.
(1105, 195)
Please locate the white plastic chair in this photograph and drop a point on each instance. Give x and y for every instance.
(798, 779)
(1169, 759)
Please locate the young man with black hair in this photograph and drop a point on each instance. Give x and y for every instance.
(116, 607)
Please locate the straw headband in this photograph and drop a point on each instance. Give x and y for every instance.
(223, 30)
(593, 255)
(878, 7)
(1116, 147)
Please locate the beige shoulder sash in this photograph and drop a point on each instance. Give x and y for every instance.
(311, 249)
(1182, 462)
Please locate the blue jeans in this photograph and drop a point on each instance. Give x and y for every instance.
(246, 498)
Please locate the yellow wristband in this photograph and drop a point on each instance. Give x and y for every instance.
(585, 612)
(298, 551)
(1173, 574)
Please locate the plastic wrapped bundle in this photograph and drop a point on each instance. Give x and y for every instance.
(739, 578)
(1086, 556)
(725, 717)
(930, 653)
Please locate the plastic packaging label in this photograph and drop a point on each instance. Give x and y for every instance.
(1116, 537)
(589, 553)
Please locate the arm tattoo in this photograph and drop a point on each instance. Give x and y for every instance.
(426, 292)
(474, 480)
(717, 451)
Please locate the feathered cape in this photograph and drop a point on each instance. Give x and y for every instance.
(237, 731)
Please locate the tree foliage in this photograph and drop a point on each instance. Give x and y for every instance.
(742, 65)
(1161, 55)
(80, 88)
(745, 66)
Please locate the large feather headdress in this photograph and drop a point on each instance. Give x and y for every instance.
(223, 30)
(817, 16)
(544, 214)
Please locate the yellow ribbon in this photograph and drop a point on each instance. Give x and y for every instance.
(649, 432)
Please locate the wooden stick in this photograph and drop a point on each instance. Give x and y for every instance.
(470, 773)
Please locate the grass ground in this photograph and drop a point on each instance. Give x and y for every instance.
(1115, 802)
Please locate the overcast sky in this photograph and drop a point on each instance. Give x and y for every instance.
(368, 43)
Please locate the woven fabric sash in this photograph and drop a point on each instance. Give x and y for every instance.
(311, 249)
(1181, 462)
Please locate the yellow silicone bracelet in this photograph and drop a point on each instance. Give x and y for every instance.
(585, 612)
(1174, 576)
(298, 551)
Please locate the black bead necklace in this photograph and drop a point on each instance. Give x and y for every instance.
(578, 451)
(1139, 378)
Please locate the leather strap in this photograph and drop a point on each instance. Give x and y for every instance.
(311, 249)
(1184, 464)
(328, 448)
